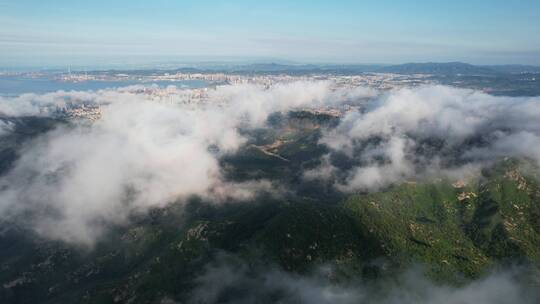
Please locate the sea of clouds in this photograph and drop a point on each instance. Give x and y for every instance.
(75, 180)
(230, 279)
(430, 131)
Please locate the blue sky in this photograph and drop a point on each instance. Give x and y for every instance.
(58, 32)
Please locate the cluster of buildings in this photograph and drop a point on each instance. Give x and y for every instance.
(172, 94)
(380, 81)
(196, 96)
(90, 112)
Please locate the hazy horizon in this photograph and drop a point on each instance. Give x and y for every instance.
(37, 34)
(216, 63)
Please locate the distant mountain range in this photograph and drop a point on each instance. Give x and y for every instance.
(432, 68)
(438, 68)
(454, 68)
(435, 68)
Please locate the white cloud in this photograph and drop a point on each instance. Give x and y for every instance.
(374, 176)
(446, 131)
(229, 280)
(75, 180)
(6, 127)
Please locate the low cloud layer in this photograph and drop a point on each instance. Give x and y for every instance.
(73, 181)
(432, 130)
(147, 151)
(229, 280)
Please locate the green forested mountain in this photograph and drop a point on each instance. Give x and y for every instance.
(456, 232)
